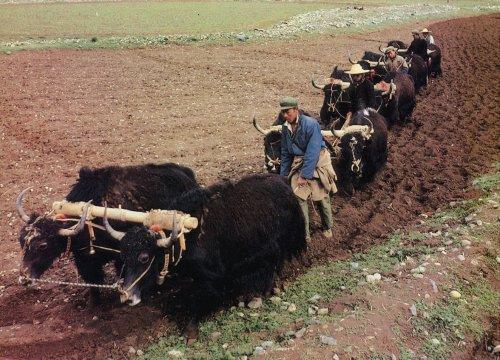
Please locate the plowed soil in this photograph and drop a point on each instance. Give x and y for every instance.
(64, 109)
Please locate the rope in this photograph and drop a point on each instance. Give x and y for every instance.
(125, 291)
(67, 283)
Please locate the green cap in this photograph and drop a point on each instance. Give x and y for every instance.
(288, 103)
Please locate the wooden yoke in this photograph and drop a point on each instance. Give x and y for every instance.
(163, 218)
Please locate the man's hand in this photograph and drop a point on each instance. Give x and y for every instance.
(301, 181)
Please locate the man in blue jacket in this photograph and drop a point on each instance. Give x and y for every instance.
(307, 163)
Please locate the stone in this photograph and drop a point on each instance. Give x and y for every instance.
(448, 242)
(335, 357)
(225, 346)
(240, 314)
(455, 294)
(140, 352)
(435, 341)
(479, 223)
(418, 270)
(267, 344)
(373, 278)
(275, 300)
(95, 318)
(323, 311)
(215, 335)
(418, 276)
(131, 350)
(241, 304)
(466, 242)
(474, 262)
(315, 298)
(435, 234)
(258, 351)
(242, 37)
(461, 257)
(311, 311)
(354, 265)
(498, 259)
(299, 333)
(413, 310)
(434, 286)
(427, 296)
(277, 291)
(292, 308)
(255, 303)
(289, 342)
(175, 354)
(328, 340)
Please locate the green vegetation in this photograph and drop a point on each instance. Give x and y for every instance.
(138, 24)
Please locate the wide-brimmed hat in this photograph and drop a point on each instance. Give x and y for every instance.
(425, 31)
(356, 69)
(388, 49)
(288, 103)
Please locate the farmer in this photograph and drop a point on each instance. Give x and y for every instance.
(307, 164)
(395, 62)
(427, 36)
(360, 91)
(418, 46)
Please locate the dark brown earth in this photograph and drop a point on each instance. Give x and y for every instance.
(64, 109)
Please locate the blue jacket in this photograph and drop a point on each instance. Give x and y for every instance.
(307, 142)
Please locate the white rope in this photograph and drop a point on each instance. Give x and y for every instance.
(67, 283)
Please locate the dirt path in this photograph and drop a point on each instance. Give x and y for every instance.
(64, 109)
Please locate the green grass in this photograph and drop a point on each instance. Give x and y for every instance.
(105, 19)
(141, 24)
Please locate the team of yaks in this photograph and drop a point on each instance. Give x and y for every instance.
(246, 229)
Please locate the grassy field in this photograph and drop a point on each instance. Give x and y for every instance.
(86, 25)
(52, 20)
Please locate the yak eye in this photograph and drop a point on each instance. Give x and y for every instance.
(143, 258)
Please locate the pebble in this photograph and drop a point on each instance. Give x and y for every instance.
(455, 294)
(275, 300)
(479, 223)
(289, 342)
(311, 311)
(241, 304)
(474, 262)
(466, 243)
(418, 270)
(413, 310)
(434, 286)
(140, 352)
(255, 303)
(314, 299)
(448, 242)
(267, 344)
(299, 333)
(277, 291)
(335, 357)
(435, 234)
(418, 276)
(292, 308)
(354, 265)
(323, 311)
(240, 314)
(258, 351)
(498, 259)
(373, 278)
(131, 350)
(461, 257)
(427, 296)
(225, 346)
(435, 341)
(215, 335)
(176, 354)
(95, 318)
(328, 340)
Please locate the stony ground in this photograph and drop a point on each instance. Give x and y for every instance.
(62, 110)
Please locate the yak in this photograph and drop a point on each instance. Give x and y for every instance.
(44, 238)
(435, 60)
(363, 149)
(336, 100)
(398, 97)
(247, 230)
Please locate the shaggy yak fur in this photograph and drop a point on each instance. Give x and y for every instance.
(137, 188)
(371, 152)
(435, 67)
(247, 229)
(335, 102)
(398, 107)
(417, 70)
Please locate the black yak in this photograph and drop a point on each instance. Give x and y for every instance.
(363, 149)
(398, 97)
(44, 238)
(247, 229)
(435, 60)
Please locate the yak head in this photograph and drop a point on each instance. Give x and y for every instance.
(354, 139)
(143, 251)
(272, 145)
(43, 239)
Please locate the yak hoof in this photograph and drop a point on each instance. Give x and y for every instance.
(191, 333)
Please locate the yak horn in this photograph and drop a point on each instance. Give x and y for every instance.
(166, 242)
(258, 127)
(118, 235)
(350, 129)
(19, 206)
(315, 85)
(430, 51)
(382, 49)
(79, 226)
(351, 61)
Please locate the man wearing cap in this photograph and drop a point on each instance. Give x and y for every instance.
(418, 46)
(307, 163)
(395, 62)
(427, 36)
(361, 93)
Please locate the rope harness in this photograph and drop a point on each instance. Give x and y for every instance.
(332, 105)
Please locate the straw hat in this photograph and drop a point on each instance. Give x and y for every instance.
(388, 49)
(356, 69)
(425, 31)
